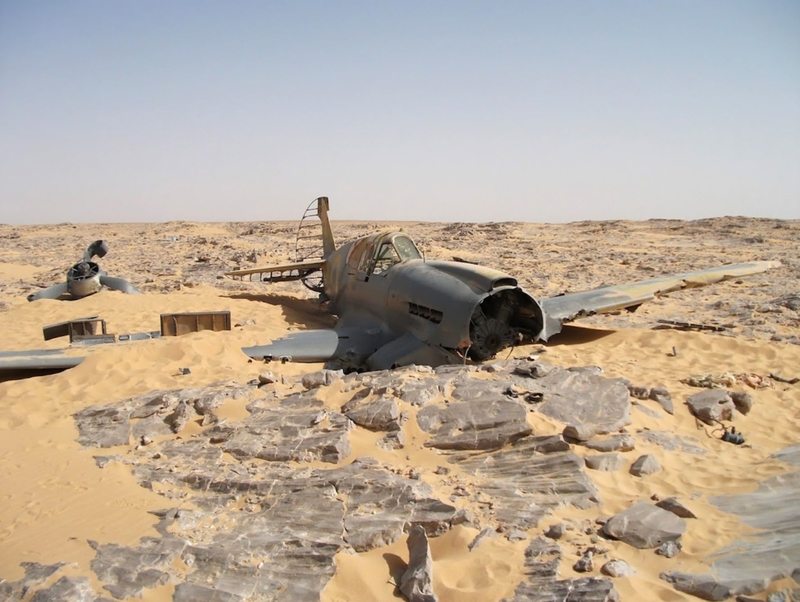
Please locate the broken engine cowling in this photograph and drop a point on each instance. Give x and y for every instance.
(502, 319)
(83, 279)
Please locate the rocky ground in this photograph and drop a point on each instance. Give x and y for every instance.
(585, 470)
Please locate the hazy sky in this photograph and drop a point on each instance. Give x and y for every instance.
(449, 111)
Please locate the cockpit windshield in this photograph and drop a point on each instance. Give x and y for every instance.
(406, 248)
(399, 248)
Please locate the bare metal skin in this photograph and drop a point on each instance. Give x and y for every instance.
(395, 308)
(85, 278)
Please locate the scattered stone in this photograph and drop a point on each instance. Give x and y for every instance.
(617, 568)
(614, 443)
(485, 532)
(321, 378)
(392, 440)
(644, 526)
(584, 564)
(645, 465)
(179, 417)
(605, 462)
(541, 584)
(381, 414)
(416, 584)
(516, 535)
(712, 406)
(742, 400)
(708, 588)
(662, 396)
(482, 423)
(555, 531)
(580, 397)
(669, 549)
(579, 432)
(639, 392)
(777, 597)
(672, 504)
(283, 435)
(74, 589)
(266, 378)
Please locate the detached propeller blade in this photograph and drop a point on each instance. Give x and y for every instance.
(51, 292)
(119, 284)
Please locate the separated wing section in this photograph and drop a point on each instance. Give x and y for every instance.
(565, 308)
(280, 273)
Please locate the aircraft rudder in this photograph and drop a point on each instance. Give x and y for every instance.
(328, 243)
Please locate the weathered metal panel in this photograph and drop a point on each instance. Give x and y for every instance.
(183, 323)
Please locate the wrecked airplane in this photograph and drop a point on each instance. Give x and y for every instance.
(396, 308)
(85, 278)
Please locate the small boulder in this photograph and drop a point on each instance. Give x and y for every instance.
(661, 396)
(639, 392)
(321, 378)
(743, 401)
(584, 564)
(672, 504)
(645, 465)
(622, 442)
(416, 584)
(644, 526)
(669, 549)
(266, 378)
(617, 568)
(579, 432)
(712, 406)
(556, 531)
(605, 462)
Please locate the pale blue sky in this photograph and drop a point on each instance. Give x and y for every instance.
(449, 111)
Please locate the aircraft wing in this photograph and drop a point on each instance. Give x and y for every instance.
(31, 361)
(317, 346)
(278, 273)
(565, 308)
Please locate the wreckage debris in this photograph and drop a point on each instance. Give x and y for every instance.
(662, 324)
(440, 312)
(86, 278)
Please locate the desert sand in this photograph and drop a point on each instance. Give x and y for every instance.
(54, 498)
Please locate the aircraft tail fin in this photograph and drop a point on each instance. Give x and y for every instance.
(328, 244)
(314, 234)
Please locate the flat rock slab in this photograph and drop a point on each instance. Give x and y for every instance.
(265, 524)
(579, 396)
(524, 485)
(712, 406)
(645, 526)
(488, 422)
(748, 565)
(541, 582)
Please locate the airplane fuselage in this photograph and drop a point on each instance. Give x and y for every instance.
(382, 284)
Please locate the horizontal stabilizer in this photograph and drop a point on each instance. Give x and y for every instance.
(572, 306)
(279, 273)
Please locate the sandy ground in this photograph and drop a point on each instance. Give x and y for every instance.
(54, 498)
